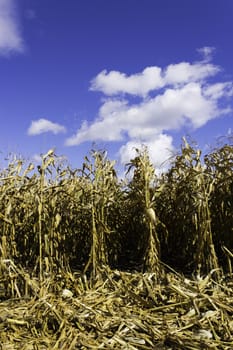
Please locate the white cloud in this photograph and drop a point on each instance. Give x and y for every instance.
(185, 72)
(10, 36)
(170, 110)
(140, 84)
(206, 52)
(152, 78)
(105, 128)
(181, 94)
(40, 126)
(218, 90)
(160, 150)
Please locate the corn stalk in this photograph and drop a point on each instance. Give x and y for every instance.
(141, 193)
(102, 175)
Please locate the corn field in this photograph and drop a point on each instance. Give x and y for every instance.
(91, 261)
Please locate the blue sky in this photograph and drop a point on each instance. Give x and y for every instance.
(114, 73)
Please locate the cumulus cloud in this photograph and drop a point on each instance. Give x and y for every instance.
(152, 78)
(185, 72)
(115, 82)
(181, 94)
(218, 90)
(41, 126)
(190, 104)
(10, 36)
(160, 150)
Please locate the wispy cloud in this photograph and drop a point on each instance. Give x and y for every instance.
(41, 126)
(10, 37)
(206, 52)
(181, 94)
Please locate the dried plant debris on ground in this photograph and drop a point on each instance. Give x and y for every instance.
(120, 310)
